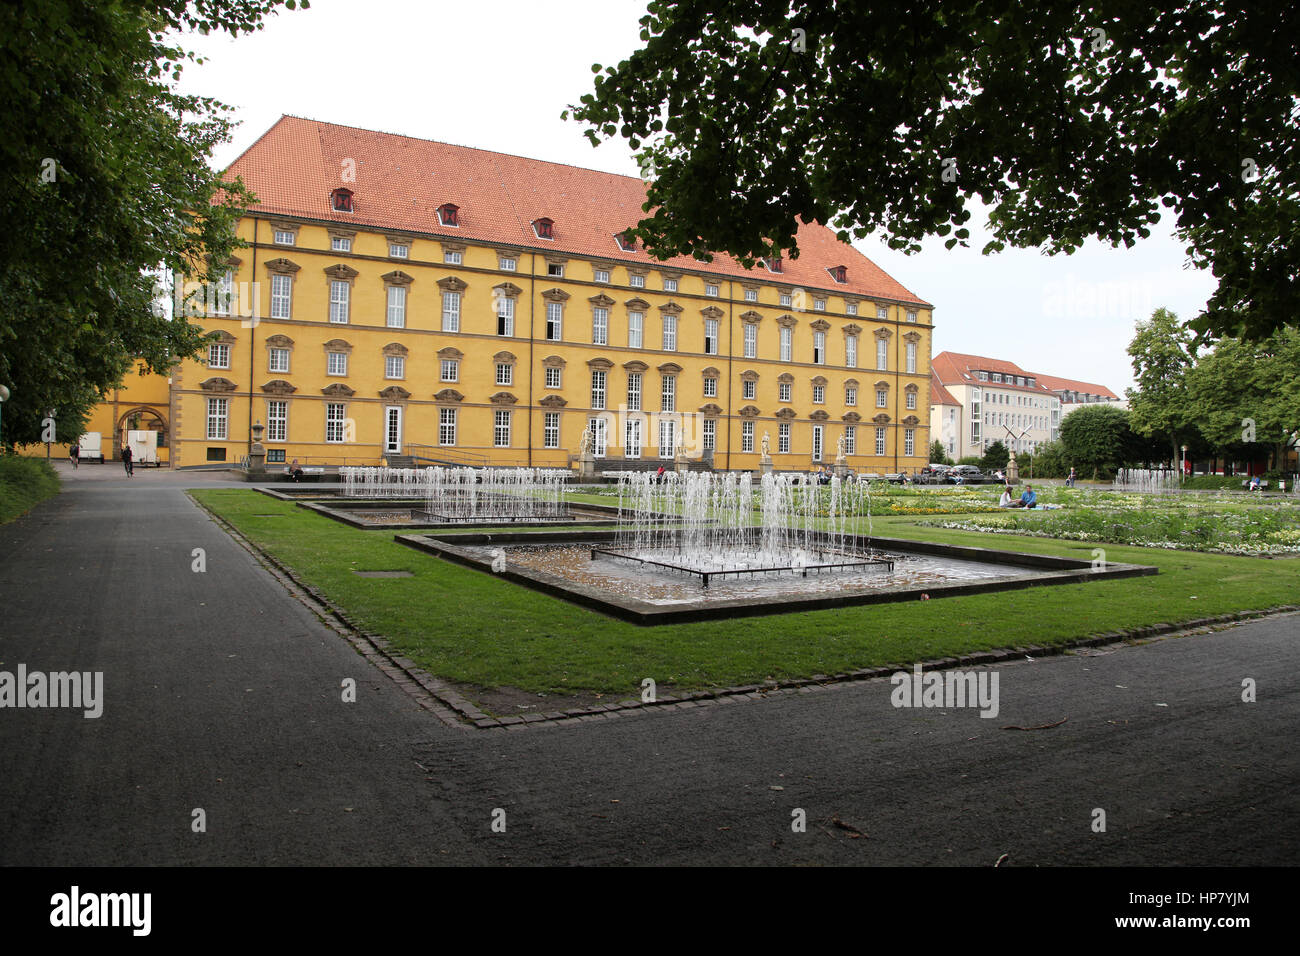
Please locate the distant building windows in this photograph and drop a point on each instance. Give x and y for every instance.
(599, 326)
(711, 289)
(447, 426)
(501, 429)
(909, 441)
(710, 336)
(505, 315)
(281, 296)
(634, 391)
(340, 244)
(747, 435)
(911, 400)
(783, 438)
(505, 373)
(277, 420)
(449, 214)
(635, 329)
(819, 348)
(668, 394)
(911, 315)
(335, 423)
(601, 275)
(787, 343)
(850, 439)
(507, 263)
(819, 305)
(751, 340)
(850, 308)
(880, 441)
(397, 307)
(555, 270)
(670, 285)
(283, 237)
(278, 360)
(839, 273)
(774, 264)
(882, 398)
(882, 312)
(882, 355)
(452, 257)
(625, 242)
(786, 300)
(711, 387)
(850, 351)
(336, 363)
(911, 357)
(399, 250)
(636, 280)
(340, 296)
(395, 366)
(551, 429)
(751, 295)
(554, 376)
(218, 417)
(554, 321)
(747, 389)
(784, 391)
(819, 394)
(544, 228)
(341, 200)
(597, 389)
(850, 395)
(670, 333)
(449, 370)
(218, 356)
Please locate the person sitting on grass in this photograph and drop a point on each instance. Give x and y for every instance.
(1005, 500)
(1027, 500)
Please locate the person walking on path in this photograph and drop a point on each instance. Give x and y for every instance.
(127, 458)
(1070, 481)
(74, 455)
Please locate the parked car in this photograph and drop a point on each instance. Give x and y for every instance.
(967, 475)
(933, 474)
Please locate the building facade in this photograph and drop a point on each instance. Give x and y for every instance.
(988, 400)
(406, 297)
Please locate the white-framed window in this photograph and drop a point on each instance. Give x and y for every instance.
(851, 351)
(850, 439)
(635, 329)
(747, 435)
(984, 376)
(599, 436)
(850, 308)
(277, 360)
(911, 316)
(450, 369)
(783, 438)
(283, 237)
(670, 285)
(997, 376)
(506, 263)
(909, 441)
(394, 366)
(597, 388)
(850, 395)
(554, 321)
(751, 295)
(225, 293)
(882, 355)
(447, 426)
(554, 376)
(819, 348)
(819, 305)
(452, 257)
(336, 363)
(634, 391)
(819, 394)
(670, 333)
(340, 244)
(632, 438)
(555, 270)
(882, 312)
(636, 280)
(335, 424)
(751, 340)
(551, 430)
(218, 356)
(711, 289)
(783, 391)
(218, 417)
(340, 294)
(451, 311)
(399, 250)
(600, 326)
(911, 399)
(667, 438)
(668, 394)
(711, 387)
(710, 336)
(505, 373)
(709, 436)
(787, 344)
(281, 296)
(786, 300)
(501, 429)
(600, 275)
(277, 420)
(911, 358)
(397, 307)
(505, 315)
(882, 398)
(748, 389)
(880, 440)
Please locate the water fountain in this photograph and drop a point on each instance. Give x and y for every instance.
(703, 524)
(527, 495)
(375, 482)
(1148, 480)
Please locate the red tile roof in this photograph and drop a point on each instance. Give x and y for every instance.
(955, 368)
(1071, 385)
(400, 182)
(938, 394)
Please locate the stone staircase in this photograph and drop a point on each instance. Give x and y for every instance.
(400, 461)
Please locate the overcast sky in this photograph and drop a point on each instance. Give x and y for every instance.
(497, 74)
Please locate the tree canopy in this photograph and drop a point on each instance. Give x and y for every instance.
(105, 182)
(1069, 120)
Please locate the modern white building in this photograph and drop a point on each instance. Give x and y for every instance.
(976, 400)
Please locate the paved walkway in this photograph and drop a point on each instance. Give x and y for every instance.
(223, 693)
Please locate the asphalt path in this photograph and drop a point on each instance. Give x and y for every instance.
(222, 694)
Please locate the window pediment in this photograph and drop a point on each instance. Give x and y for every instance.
(749, 411)
(751, 317)
(786, 414)
(337, 345)
(787, 321)
(451, 353)
(851, 417)
(553, 401)
(504, 358)
(785, 378)
(342, 272)
(218, 384)
(279, 341)
(601, 301)
(503, 398)
(453, 284)
(553, 361)
(637, 305)
(556, 295)
(448, 395)
(337, 390)
(670, 368)
(712, 312)
(601, 363)
(711, 409)
(635, 366)
(282, 266)
(394, 393)
(819, 416)
(672, 308)
(278, 386)
(821, 325)
(397, 277)
(396, 348)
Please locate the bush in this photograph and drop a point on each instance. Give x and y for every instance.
(24, 482)
(1048, 462)
(995, 457)
(970, 460)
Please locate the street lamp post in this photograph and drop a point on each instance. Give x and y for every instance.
(1183, 475)
(4, 397)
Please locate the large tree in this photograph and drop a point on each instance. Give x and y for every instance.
(1098, 437)
(1162, 355)
(105, 182)
(1067, 119)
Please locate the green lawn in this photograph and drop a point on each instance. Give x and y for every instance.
(473, 628)
(24, 482)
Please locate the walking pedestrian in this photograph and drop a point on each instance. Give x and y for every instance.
(127, 459)
(1070, 481)
(74, 455)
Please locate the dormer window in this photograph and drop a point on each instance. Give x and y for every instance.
(545, 228)
(773, 264)
(839, 273)
(625, 242)
(341, 200)
(449, 214)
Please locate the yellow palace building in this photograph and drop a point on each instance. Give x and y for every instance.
(401, 297)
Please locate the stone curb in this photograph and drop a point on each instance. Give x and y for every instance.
(470, 715)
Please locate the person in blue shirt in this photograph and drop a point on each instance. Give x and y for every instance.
(1029, 499)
